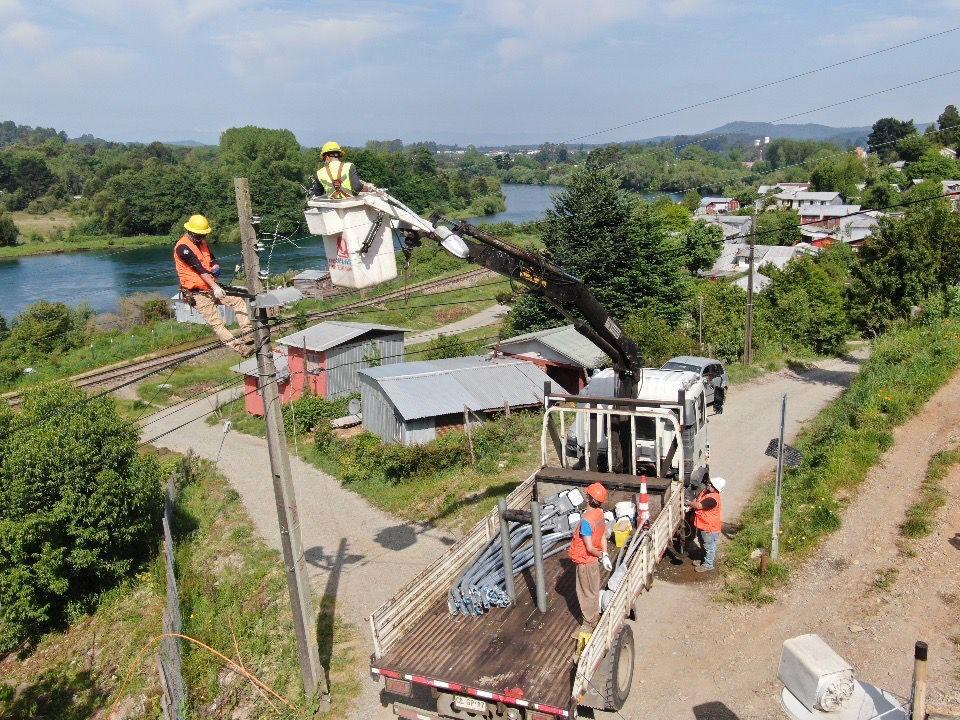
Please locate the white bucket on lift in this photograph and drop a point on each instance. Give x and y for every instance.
(344, 225)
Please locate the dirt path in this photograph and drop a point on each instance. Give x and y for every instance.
(713, 662)
(487, 316)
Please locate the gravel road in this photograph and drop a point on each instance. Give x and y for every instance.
(363, 556)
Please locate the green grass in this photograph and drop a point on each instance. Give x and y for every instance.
(884, 580)
(921, 515)
(189, 380)
(112, 346)
(231, 584)
(77, 243)
(908, 365)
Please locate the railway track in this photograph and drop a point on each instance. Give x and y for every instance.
(114, 376)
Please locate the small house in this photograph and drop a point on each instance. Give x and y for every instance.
(252, 402)
(951, 188)
(325, 360)
(796, 199)
(188, 314)
(826, 217)
(414, 402)
(315, 284)
(561, 352)
(733, 226)
(735, 257)
(715, 205)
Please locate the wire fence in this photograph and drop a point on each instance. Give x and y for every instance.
(174, 693)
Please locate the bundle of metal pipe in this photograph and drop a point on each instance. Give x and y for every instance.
(483, 585)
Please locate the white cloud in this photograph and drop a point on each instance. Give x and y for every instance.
(11, 10)
(877, 33)
(23, 35)
(281, 42)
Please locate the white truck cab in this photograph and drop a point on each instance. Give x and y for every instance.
(684, 394)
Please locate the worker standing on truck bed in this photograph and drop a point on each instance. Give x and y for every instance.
(336, 178)
(588, 550)
(197, 269)
(708, 520)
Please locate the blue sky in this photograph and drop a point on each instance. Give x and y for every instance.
(494, 71)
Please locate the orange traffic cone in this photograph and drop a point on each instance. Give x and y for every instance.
(643, 505)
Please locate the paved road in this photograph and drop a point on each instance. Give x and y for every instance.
(363, 556)
(487, 316)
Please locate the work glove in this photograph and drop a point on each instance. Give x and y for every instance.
(215, 270)
(605, 561)
(218, 292)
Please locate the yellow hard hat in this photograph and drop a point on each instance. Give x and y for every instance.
(198, 224)
(330, 146)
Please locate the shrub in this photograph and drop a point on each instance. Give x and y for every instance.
(79, 509)
(307, 412)
(8, 230)
(445, 346)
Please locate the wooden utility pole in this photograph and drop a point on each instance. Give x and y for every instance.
(291, 541)
(918, 691)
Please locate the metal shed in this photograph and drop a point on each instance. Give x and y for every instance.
(411, 403)
(325, 358)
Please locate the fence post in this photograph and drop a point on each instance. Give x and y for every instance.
(466, 426)
(171, 675)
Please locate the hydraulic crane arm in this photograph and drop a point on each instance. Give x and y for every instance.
(567, 293)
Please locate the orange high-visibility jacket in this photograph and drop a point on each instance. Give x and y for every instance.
(709, 520)
(189, 278)
(578, 549)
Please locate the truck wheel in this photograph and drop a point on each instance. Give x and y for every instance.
(615, 674)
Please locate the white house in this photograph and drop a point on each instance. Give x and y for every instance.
(794, 199)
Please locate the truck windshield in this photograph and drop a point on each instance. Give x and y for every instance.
(682, 366)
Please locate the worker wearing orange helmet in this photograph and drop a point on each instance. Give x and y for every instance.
(336, 178)
(197, 270)
(588, 551)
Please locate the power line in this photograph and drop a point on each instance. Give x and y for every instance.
(762, 86)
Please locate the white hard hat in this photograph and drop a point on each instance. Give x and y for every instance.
(719, 483)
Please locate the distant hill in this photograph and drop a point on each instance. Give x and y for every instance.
(186, 143)
(805, 131)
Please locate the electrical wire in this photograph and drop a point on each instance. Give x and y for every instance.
(762, 86)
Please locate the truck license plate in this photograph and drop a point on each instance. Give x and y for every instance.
(471, 704)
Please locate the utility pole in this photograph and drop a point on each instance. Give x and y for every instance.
(700, 323)
(748, 330)
(778, 488)
(291, 541)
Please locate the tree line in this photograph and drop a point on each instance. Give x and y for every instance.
(150, 189)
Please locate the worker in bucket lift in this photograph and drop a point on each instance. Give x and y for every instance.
(708, 520)
(336, 178)
(198, 269)
(588, 551)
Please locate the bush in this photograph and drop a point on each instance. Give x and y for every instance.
(656, 339)
(79, 509)
(306, 413)
(42, 330)
(445, 346)
(8, 230)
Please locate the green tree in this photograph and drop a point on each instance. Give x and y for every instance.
(691, 200)
(617, 245)
(31, 175)
(838, 174)
(778, 227)
(906, 262)
(701, 245)
(657, 339)
(934, 166)
(724, 317)
(79, 509)
(912, 147)
(806, 307)
(948, 126)
(885, 134)
(8, 230)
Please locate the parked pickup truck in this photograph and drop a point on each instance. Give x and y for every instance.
(515, 663)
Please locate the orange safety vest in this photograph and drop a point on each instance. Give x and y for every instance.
(578, 548)
(709, 520)
(189, 278)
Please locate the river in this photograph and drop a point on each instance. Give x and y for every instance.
(101, 278)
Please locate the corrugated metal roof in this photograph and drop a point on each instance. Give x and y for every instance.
(312, 275)
(331, 333)
(566, 341)
(429, 388)
(249, 366)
